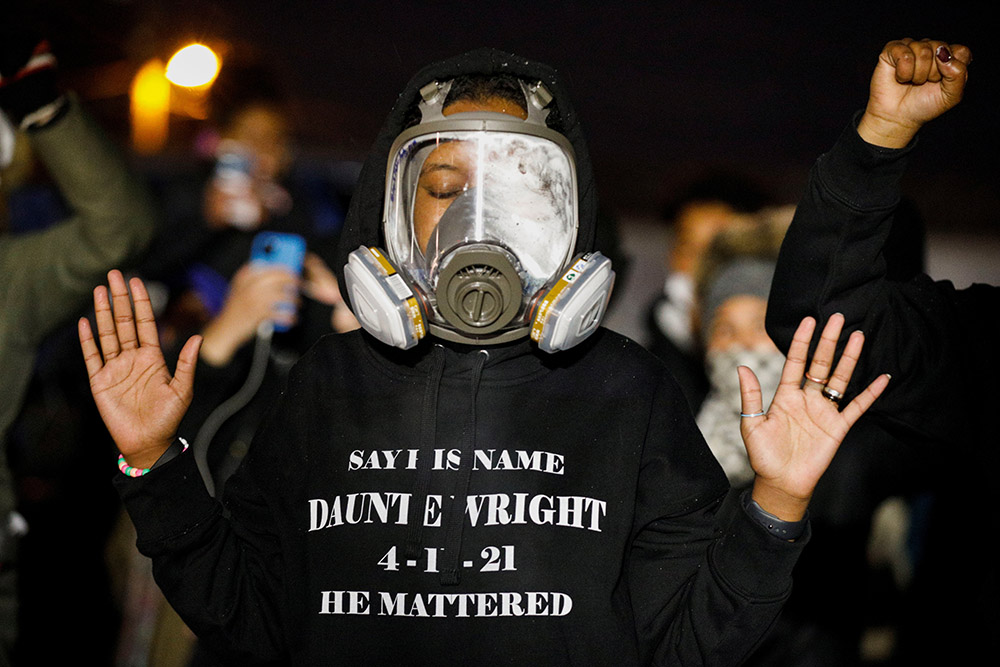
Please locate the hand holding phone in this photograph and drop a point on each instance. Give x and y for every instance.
(279, 249)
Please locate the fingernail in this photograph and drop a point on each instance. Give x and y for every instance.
(943, 54)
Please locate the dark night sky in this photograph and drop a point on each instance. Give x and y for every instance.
(663, 87)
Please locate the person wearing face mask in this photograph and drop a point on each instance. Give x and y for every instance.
(823, 621)
(481, 474)
(713, 202)
(733, 281)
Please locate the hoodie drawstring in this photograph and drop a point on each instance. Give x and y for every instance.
(425, 462)
(450, 574)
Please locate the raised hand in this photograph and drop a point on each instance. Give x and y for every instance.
(140, 403)
(791, 446)
(913, 83)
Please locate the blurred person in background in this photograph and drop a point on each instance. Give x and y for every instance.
(731, 282)
(832, 602)
(253, 185)
(255, 321)
(250, 183)
(715, 200)
(248, 179)
(45, 281)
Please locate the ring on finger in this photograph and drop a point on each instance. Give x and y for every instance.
(832, 394)
(752, 414)
(816, 382)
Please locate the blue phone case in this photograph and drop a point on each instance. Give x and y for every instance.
(279, 248)
(270, 248)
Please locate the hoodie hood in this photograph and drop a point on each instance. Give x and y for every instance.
(363, 225)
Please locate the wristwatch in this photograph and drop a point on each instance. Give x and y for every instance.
(786, 530)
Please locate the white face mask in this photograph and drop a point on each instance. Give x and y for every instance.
(719, 416)
(724, 381)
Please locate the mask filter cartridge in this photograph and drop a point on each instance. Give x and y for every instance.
(382, 301)
(569, 312)
(572, 310)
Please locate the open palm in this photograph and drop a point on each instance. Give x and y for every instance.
(140, 403)
(791, 446)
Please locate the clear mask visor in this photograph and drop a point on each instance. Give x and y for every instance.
(509, 191)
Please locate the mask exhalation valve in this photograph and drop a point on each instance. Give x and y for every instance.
(478, 290)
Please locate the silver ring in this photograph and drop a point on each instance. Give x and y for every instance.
(832, 394)
(755, 414)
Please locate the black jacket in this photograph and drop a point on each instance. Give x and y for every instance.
(939, 344)
(455, 505)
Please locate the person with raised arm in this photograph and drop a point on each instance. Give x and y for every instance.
(937, 341)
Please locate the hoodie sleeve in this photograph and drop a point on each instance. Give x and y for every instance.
(222, 577)
(223, 565)
(926, 334)
(706, 581)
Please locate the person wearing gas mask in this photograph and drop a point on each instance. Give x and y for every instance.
(481, 474)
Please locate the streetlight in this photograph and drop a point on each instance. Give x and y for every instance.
(192, 69)
(194, 66)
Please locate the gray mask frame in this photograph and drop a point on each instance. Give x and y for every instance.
(475, 278)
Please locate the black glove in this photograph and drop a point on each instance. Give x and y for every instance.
(27, 73)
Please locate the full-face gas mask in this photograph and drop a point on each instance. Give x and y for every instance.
(480, 223)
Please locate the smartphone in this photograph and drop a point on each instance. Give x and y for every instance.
(234, 176)
(281, 249)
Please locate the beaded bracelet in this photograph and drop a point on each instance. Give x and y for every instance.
(129, 470)
(139, 472)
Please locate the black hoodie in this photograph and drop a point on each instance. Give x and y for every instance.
(454, 505)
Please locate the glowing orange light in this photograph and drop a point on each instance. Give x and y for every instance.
(150, 107)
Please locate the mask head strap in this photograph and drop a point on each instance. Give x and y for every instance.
(434, 94)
